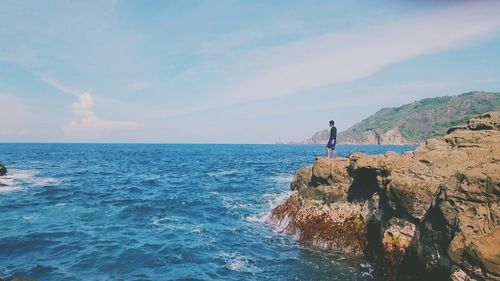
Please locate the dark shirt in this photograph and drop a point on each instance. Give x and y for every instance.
(333, 133)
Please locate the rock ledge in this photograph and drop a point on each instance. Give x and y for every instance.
(429, 214)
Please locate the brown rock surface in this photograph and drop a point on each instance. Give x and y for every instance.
(432, 213)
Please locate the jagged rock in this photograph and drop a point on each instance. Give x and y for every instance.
(307, 212)
(481, 122)
(301, 178)
(396, 240)
(3, 170)
(338, 227)
(326, 172)
(429, 214)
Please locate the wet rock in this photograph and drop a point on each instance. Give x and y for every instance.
(301, 178)
(3, 170)
(337, 227)
(396, 240)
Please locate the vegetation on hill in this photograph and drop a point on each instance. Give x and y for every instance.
(415, 122)
(420, 120)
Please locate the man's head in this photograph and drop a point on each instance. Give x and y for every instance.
(332, 123)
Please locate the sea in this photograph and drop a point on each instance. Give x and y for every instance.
(158, 212)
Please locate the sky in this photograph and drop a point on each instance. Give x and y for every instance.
(231, 71)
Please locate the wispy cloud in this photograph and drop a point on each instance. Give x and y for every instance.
(61, 87)
(88, 124)
(218, 46)
(76, 92)
(349, 55)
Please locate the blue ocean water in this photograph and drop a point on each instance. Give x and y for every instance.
(157, 212)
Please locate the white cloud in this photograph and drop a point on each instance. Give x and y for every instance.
(88, 124)
(349, 55)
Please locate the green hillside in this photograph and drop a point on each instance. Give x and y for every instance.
(420, 120)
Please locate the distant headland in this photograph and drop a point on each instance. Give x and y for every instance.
(415, 122)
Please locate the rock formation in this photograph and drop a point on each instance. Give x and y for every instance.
(3, 170)
(429, 214)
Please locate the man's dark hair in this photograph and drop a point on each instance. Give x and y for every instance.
(332, 122)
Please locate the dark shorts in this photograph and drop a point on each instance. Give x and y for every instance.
(331, 144)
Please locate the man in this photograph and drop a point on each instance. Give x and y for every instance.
(332, 141)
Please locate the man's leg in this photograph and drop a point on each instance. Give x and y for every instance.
(327, 152)
(334, 154)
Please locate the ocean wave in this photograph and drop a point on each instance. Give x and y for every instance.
(260, 217)
(272, 200)
(31, 217)
(6, 189)
(282, 178)
(236, 262)
(222, 173)
(18, 179)
(172, 223)
(46, 181)
(197, 229)
(167, 223)
(235, 206)
(6, 181)
(21, 174)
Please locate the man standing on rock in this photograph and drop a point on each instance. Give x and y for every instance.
(332, 141)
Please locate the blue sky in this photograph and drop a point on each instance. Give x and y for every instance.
(231, 71)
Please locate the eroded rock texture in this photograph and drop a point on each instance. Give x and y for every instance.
(429, 214)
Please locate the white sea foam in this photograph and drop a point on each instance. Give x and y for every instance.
(31, 217)
(272, 200)
(282, 178)
(18, 179)
(275, 199)
(237, 262)
(168, 223)
(157, 220)
(197, 229)
(222, 173)
(6, 189)
(367, 270)
(260, 217)
(6, 181)
(173, 223)
(232, 204)
(21, 174)
(211, 194)
(45, 181)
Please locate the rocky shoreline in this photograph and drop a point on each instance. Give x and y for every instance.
(429, 214)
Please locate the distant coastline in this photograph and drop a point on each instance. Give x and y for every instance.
(412, 124)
